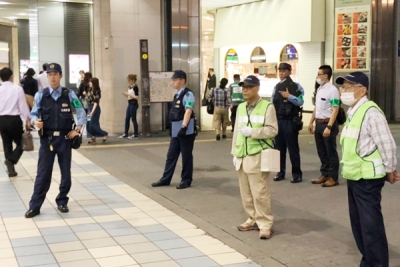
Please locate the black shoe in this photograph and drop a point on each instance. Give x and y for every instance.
(10, 168)
(182, 186)
(296, 180)
(63, 208)
(32, 213)
(218, 137)
(278, 178)
(224, 136)
(158, 184)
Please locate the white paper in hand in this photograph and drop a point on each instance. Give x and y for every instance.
(270, 160)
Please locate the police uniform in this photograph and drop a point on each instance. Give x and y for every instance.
(182, 144)
(288, 134)
(54, 107)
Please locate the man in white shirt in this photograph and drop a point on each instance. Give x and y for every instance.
(326, 129)
(13, 111)
(43, 80)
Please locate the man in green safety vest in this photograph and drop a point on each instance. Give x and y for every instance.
(256, 126)
(369, 159)
(237, 98)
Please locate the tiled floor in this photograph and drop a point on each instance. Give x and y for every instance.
(109, 224)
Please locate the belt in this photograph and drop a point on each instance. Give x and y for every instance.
(322, 120)
(55, 133)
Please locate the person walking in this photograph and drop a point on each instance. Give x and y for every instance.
(181, 114)
(287, 97)
(369, 158)
(326, 128)
(256, 126)
(83, 90)
(14, 112)
(93, 125)
(221, 97)
(237, 98)
(43, 80)
(131, 111)
(30, 87)
(52, 113)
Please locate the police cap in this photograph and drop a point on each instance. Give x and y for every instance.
(53, 67)
(285, 66)
(179, 74)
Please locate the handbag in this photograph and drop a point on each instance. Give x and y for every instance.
(270, 159)
(298, 121)
(341, 117)
(27, 141)
(29, 100)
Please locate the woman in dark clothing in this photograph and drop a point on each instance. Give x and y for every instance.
(83, 90)
(30, 87)
(132, 95)
(93, 125)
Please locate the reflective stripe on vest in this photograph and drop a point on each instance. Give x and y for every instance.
(355, 167)
(247, 146)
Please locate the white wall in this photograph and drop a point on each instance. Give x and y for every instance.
(329, 31)
(4, 50)
(286, 21)
(51, 34)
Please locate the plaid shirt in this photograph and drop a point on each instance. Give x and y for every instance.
(375, 133)
(221, 97)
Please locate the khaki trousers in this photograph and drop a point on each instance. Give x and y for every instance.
(256, 199)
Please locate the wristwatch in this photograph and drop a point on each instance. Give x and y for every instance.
(329, 127)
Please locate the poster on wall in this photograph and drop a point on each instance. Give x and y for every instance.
(352, 38)
(77, 63)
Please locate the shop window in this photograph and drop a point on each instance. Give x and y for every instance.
(258, 55)
(289, 53)
(232, 57)
(231, 63)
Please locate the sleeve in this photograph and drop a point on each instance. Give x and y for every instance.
(188, 100)
(334, 98)
(22, 105)
(297, 99)
(273, 93)
(229, 97)
(379, 131)
(270, 128)
(97, 97)
(136, 90)
(35, 112)
(80, 111)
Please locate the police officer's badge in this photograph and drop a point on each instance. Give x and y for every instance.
(52, 66)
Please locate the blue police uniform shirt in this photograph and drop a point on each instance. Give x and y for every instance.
(292, 99)
(55, 94)
(188, 99)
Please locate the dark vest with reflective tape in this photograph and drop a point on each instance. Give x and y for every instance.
(177, 109)
(56, 114)
(285, 109)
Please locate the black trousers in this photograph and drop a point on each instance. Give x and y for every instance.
(179, 145)
(11, 131)
(288, 138)
(326, 148)
(367, 221)
(233, 116)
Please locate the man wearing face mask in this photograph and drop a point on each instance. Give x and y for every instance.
(369, 159)
(326, 129)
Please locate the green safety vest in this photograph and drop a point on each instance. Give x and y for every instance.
(247, 146)
(354, 166)
(236, 93)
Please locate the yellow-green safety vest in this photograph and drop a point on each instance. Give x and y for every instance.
(356, 167)
(247, 146)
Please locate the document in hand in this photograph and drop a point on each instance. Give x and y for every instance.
(177, 125)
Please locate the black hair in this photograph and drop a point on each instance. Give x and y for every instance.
(326, 69)
(223, 83)
(30, 72)
(44, 66)
(88, 76)
(236, 76)
(5, 74)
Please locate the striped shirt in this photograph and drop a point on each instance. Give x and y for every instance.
(375, 134)
(221, 97)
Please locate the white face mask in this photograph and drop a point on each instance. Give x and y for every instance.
(347, 98)
(319, 81)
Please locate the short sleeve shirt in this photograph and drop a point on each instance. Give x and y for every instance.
(327, 97)
(188, 99)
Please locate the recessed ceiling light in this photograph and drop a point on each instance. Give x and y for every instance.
(4, 3)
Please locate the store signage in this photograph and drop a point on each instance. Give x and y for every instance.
(347, 3)
(77, 63)
(352, 38)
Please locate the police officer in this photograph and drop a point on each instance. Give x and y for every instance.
(288, 98)
(237, 98)
(181, 111)
(52, 113)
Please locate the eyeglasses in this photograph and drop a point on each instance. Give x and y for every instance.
(349, 87)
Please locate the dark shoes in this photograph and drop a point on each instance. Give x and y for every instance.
(218, 137)
(158, 184)
(10, 168)
(63, 208)
(224, 136)
(32, 213)
(182, 186)
(278, 178)
(296, 180)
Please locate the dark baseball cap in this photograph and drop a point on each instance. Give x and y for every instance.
(179, 74)
(250, 80)
(355, 77)
(53, 67)
(285, 66)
